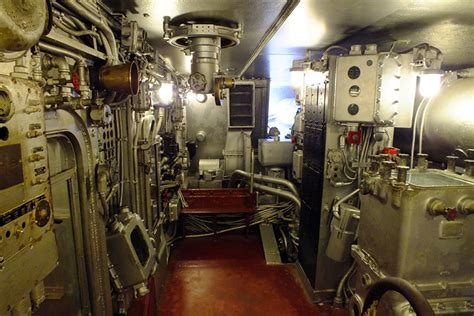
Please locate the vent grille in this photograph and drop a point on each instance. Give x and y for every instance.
(241, 106)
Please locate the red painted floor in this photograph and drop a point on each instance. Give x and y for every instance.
(228, 276)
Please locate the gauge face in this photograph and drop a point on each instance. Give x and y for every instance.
(353, 72)
(353, 109)
(42, 213)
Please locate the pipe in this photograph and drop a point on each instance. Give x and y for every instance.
(466, 73)
(73, 32)
(59, 51)
(58, 62)
(98, 22)
(339, 298)
(108, 50)
(417, 301)
(252, 171)
(262, 178)
(281, 193)
(335, 209)
(156, 128)
(103, 203)
(285, 13)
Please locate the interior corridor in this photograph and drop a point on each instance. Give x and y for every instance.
(228, 275)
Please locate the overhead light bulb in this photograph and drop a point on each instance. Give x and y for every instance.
(165, 93)
(430, 83)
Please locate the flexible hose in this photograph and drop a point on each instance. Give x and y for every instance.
(418, 302)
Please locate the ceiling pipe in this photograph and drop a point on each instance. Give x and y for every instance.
(284, 14)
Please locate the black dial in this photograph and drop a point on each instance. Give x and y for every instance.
(353, 109)
(353, 72)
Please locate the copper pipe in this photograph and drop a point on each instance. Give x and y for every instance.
(123, 78)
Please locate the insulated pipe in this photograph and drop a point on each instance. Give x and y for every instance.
(268, 179)
(98, 22)
(281, 193)
(418, 302)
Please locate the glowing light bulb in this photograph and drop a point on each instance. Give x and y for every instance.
(430, 84)
(166, 93)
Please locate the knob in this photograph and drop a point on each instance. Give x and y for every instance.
(466, 206)
(437, 207)
(201, 136)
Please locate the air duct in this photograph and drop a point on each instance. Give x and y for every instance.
(203, 39)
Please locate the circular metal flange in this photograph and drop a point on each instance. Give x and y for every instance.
(177, 32)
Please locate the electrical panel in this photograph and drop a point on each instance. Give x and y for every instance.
(356, 78)
(28, 251)
(377, 89)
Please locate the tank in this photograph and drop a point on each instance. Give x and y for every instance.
(449, 121)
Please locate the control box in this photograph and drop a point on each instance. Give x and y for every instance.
(377, 89)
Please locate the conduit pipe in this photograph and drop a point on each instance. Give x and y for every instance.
(281, 193)
(59, 51)
(97, 21)
(268, 179)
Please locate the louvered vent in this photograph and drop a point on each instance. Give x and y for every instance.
(241, 106)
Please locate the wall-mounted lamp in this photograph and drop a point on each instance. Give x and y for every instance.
(166, 93)
(430, 82)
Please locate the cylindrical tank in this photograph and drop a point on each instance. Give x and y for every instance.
(449, 121)
(22, 23)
